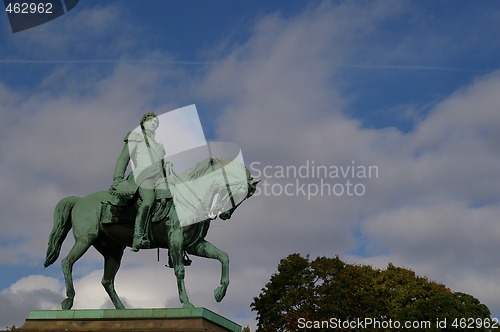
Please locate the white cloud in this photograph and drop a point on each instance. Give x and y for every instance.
(433, 207)
(35, 291)
(55, 144)
(35, 282)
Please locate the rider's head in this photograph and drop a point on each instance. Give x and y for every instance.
(146, 117)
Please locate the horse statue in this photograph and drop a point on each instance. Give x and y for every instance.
(96, 222)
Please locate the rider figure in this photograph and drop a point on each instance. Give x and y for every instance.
(147, 156)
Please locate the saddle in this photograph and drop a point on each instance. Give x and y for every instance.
(122, 209)
(116, 210)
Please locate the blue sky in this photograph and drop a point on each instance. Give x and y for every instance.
(408, 86)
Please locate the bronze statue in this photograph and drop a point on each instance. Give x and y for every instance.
(112, 220)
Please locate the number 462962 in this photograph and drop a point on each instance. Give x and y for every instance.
(29, 8)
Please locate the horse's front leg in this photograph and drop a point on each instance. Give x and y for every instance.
(175, 240)
(208, 250)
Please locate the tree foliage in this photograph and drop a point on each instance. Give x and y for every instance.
(327, 288)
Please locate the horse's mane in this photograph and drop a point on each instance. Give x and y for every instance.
(212, 164)
(204, 167)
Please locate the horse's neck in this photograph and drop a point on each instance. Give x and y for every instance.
(208, 181)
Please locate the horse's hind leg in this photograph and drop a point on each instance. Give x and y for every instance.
(112, 253)
(79, 248)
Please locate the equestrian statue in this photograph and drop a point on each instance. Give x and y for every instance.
(147, 210)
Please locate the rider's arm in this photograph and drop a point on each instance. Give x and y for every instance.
(124, 159)
(122, 163)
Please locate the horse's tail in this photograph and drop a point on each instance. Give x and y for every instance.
(62, 225)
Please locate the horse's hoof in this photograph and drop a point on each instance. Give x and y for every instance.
(67, 304)
(219, 293)
(187, 305)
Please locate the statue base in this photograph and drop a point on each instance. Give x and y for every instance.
(137, 320)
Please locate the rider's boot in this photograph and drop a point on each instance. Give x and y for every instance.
(141, 240)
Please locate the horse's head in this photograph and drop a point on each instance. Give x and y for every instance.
(251, 187)
(238, 185)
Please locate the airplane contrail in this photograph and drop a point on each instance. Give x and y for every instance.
(98, 61)
(412, 67)
(203, 63)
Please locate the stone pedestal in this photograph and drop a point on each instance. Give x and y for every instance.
(137, 320)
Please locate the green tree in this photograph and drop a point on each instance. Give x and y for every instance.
(328, 288)
(289, 294)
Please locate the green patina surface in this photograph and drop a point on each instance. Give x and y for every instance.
(152, 313)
